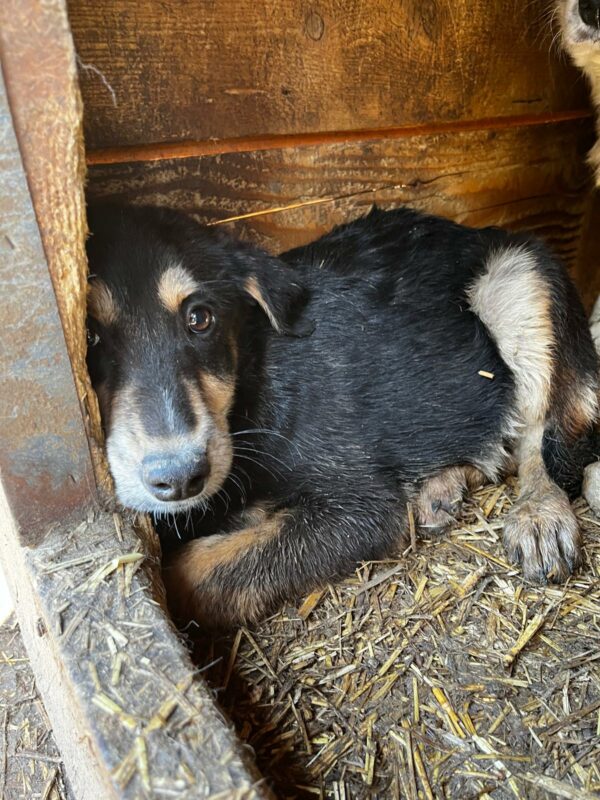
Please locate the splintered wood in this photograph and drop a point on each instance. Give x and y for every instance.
(437, 675)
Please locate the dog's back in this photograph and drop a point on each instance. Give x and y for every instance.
(396, 355)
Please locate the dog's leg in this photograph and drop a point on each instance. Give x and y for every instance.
(541, 531)
(515, 299)
(591, 479)
(591, 486)
(241, 577)
(440, 497)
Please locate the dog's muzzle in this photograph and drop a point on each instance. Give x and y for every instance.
(171, 477)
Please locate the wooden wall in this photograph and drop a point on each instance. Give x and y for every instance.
(301, 114)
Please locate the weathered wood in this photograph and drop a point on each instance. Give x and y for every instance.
(129, 713)
(38, 63)
(44, 454)
(156, 71)
(165, 151)
(533, 178)
(88, 774)
(30, 761)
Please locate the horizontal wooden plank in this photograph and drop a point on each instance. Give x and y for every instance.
(532, 178)
(165, 151)
(156, 71)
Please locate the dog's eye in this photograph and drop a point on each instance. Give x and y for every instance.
(92, 338)
(199, 319)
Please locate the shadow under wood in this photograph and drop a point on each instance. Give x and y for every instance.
(257, 707)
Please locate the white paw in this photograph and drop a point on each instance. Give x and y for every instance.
(591, 486)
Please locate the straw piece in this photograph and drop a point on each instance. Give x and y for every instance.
(525, 637)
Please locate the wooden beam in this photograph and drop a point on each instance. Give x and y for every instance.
(130, 715)
(44, 453)
(88, 774)
(525, 178)
(40, 74)
(212, 147)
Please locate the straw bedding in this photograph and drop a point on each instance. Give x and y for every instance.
(437, 675)
(30, 764)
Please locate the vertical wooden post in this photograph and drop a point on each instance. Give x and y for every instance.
(44, 454)
(40, 75)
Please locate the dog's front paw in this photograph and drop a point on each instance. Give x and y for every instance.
(436, 514)
(542, 535)
(188, 575)
(221, 581)
(206, 584)
(440, 498)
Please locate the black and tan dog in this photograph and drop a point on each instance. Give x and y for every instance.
(287, 408)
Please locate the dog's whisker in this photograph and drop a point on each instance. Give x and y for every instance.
(224, 495)
(239, 468)
(175, 526)
(270, 433)
(262, 466)
(237, 482)
(238, 449)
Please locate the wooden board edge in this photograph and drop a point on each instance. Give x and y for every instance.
(532, 178)
(119, 737)
(87, 772)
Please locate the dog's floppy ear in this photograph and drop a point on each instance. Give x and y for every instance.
(280, 292)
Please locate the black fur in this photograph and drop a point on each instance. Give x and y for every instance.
(371, 385)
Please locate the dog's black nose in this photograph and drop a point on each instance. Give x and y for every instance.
(589, 11)
(174, 477)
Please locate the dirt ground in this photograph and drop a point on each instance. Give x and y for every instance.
(30, 764)
(437, 675)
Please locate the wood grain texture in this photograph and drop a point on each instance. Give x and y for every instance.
(38, 63)
(130, 714)
(534, 179)
(165, 151)
(88, 775)
(45, 463)
(174, 70)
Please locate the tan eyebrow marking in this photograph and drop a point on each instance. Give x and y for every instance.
(174, 285)
(101, 303)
